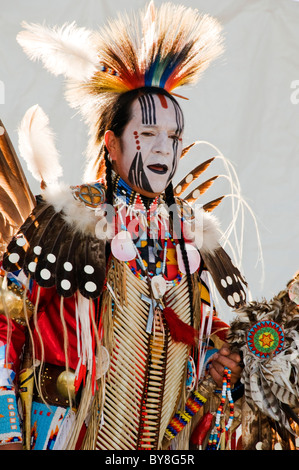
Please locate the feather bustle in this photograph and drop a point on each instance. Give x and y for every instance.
(16, 198)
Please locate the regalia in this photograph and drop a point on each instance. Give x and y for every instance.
(109, 290)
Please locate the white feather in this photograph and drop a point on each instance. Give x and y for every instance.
(66, 50)
(37, 147)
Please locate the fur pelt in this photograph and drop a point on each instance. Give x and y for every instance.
(203, 230)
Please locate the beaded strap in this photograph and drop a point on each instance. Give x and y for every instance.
(214, 440)
(181, 418)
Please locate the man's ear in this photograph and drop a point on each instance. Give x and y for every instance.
(111, 142)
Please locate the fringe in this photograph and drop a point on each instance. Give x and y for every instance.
(82, 413)
(65, 344)
(89, 442)
(7, 316)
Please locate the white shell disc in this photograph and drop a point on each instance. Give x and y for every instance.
(159, 286)
(122, 246)
(294, 292)
(193, 257)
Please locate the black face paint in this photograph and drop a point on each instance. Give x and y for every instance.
(136, 175)
(179, 130)
(148, 109)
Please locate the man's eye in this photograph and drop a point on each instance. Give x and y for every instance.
(174, 137)
(147, 134)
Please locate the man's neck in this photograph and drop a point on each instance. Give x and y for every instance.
(123, 190)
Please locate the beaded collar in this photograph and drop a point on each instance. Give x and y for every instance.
(122, 190)
(153, 220)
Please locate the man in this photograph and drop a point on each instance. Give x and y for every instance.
(116, 270)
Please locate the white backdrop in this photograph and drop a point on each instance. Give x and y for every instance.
(247, 105)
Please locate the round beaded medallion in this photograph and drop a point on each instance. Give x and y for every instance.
(265, 338)
(191, 374)
(91, 194)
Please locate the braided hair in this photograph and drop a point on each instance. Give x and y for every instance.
(176, 222)
(109, 186)
(116, 121)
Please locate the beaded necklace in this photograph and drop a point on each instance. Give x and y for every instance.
(130, 201)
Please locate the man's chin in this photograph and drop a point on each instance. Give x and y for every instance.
(155, 189)
(149, 194)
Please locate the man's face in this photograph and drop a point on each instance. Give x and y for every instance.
(150, 147)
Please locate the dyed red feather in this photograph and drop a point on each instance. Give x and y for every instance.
(180, 332)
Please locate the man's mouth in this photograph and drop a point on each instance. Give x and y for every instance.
(158, 168)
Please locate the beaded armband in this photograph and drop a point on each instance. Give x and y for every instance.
(182, 418)
(10, 431)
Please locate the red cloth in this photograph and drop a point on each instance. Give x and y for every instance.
(15, 347)
(50, 327)
(220, 328)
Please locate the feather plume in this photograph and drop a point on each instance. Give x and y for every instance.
(186, 149)
(227, 277)
(16, 198)
(179, 330)
(37, 147)
(192, 176)
(200, 190)
(67, 50)
(211, 205)
(166, 47)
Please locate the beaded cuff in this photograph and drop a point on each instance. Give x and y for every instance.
(10, 431)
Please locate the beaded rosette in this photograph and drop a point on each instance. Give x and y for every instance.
(265, 338)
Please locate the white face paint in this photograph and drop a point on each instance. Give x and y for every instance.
(151, 145)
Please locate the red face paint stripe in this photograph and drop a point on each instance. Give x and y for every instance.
(163, 101)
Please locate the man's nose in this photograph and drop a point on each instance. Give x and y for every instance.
(162, 144)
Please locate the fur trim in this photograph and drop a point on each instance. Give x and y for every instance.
(74, 212)
(203, 231)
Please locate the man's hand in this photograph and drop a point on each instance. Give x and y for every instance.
(224, 358)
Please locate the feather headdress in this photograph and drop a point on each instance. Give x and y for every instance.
(164, 47)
